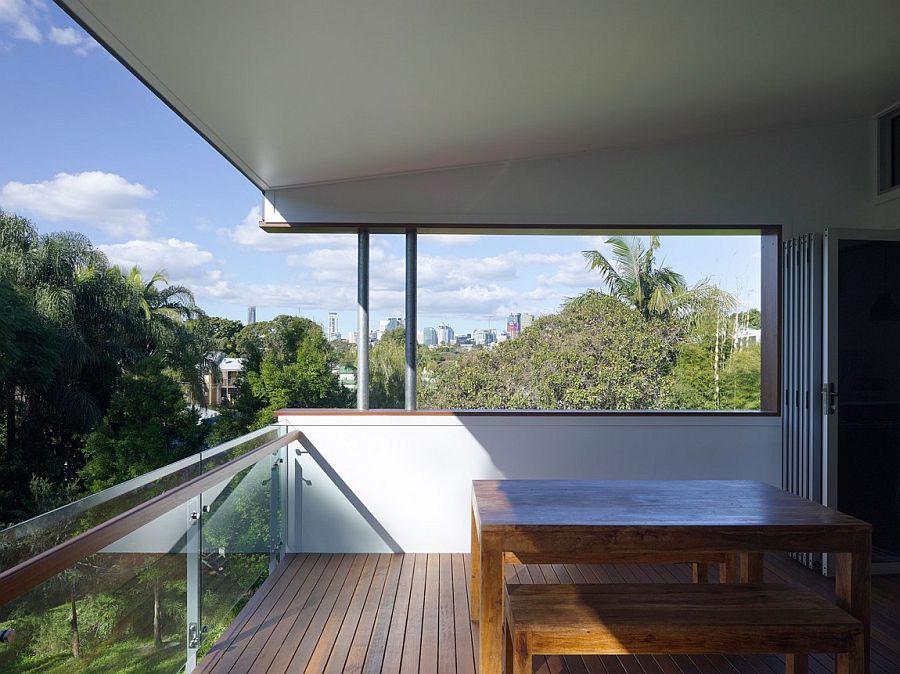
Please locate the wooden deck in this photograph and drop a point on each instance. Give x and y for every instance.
(410, 613)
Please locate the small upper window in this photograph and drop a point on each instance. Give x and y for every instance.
(889, 149)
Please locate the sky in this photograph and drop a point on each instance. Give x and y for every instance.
(84, 146)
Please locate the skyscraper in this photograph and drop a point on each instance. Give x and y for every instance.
(251, 315)
(386, 324)
(429, 336)
(526, 321)
(333, 331)
(444, 334)
(513, 325)
(484, 337)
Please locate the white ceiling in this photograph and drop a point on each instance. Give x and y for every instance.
(297, 92)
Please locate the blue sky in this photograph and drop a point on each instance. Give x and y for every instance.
(86, 147)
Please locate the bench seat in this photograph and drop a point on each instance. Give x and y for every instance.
(617, 619)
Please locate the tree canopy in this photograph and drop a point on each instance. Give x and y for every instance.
(597, 353)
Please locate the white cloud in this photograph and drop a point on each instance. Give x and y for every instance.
(183, 261)
(103, 200)
(81, 42)
(21, 19)
(451, 240)
(64, 37)
(248, 233)
(26, 19)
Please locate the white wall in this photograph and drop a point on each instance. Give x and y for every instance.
(404, 480)
(804, 179)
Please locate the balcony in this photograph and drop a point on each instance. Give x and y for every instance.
(295, 548)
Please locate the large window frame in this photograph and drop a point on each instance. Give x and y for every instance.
(770, 301)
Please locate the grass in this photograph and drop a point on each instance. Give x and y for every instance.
(127, 657)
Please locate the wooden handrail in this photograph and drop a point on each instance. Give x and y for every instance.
(21, 578)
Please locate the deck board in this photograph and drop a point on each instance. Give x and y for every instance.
(410, 613)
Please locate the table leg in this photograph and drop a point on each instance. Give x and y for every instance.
(854, 662)
(699, 572)
(751, 567)
(490, 627)
(796, 663)
(853, 590)
(728, 570)
(475, 598)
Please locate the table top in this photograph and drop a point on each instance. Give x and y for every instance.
(527, 504)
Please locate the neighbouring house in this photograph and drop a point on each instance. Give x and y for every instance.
(222, 385)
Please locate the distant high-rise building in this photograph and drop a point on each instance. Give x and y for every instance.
(445, 334)
(429, 337)
(353, 337)
(513, 325)
(484, 337)
(333, 332)
(526, 321)
(386, 324)
(251, 315)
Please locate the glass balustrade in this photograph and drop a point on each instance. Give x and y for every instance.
(158, 596)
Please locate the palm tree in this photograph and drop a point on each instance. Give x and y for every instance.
(161, 311)
(656, 291)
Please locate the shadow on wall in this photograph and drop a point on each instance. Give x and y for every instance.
(350, 498)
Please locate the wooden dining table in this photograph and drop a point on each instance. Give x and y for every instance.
(561, 521)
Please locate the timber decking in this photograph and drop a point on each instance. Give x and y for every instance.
(410, 613)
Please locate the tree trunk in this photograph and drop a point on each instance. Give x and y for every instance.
(9, 405)
(76, 639)
(157, 628)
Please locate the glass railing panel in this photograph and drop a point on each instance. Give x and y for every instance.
(122, 609)
(24, 540)
(215, 457)
(242, 533)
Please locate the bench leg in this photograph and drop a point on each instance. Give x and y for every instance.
(728, 571)
(475, 597)
(518, 659)
(509, 650)
(853, 662)
(751, 567)
(699, 572)
(796, 663)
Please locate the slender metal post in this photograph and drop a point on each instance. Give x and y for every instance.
(411, 343)
(362, 342)
(193, 545)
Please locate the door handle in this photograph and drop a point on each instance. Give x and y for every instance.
(829, 398)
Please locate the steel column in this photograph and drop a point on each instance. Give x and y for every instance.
(411, 344)
(362, 342)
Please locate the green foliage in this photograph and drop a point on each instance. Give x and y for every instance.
(72, 327)
(696, 371)
(98, 617)
(287, 363)
(597, 353)
(387, 371)
(741, 380)
(221, 333)
(148, 425)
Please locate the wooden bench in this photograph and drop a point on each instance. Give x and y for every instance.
(619, 619)
(700, 561)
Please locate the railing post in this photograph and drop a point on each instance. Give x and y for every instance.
(362, 342)
(276, 540)
(411, 342)
(193, 542)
